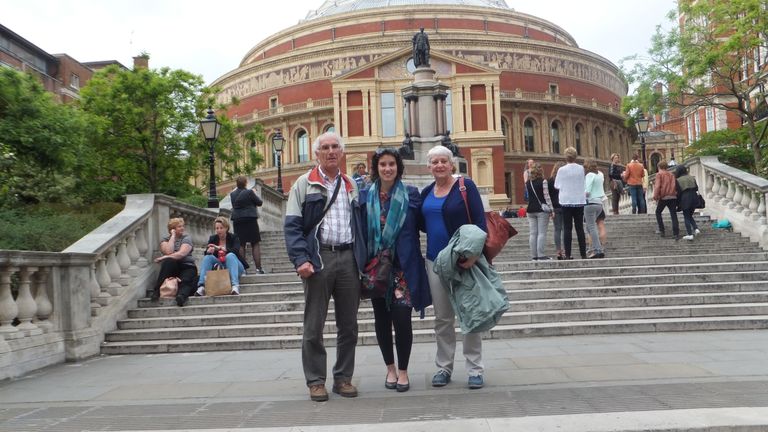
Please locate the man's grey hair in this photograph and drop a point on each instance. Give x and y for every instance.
(329, 134)
(440, 150)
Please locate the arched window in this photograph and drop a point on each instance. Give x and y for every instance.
(329, 128)
(302, 146)
(597, 143)
(505, 132)
(577, 138)
(554, 133)
(528, 135)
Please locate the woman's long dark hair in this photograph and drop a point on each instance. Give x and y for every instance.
(381, 151)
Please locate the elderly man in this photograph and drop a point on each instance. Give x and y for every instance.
(324, 238)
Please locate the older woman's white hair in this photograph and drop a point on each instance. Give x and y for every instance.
(440, 150)
(329, 134)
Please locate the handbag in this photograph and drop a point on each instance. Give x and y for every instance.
(217, 283)
(700, 203)
(499, 229)
(169, 287)
(377, 275)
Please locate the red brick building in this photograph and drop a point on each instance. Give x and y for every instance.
(519, 87)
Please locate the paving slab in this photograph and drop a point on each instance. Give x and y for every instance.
(697, 381)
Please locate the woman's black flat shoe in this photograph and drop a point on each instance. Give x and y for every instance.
(390, 385)
(403, 387)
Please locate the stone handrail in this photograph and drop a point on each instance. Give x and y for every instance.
(519, 95)
(281, 110)
(732, 194)
(58, 306)
(272, 212)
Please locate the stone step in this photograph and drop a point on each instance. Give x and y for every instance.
(691, 278)
(423, 335)
(516, 305)
(509, 318)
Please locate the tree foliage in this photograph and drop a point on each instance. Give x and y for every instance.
(706, 62)
(42, 143)
(728, 145)
(148, 130)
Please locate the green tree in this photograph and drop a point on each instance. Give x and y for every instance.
(146, 127)
(729, 145)
(42, 143)
(706, 62)
(147, 130)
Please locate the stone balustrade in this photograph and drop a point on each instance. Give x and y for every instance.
(731, 194)
(56, 307)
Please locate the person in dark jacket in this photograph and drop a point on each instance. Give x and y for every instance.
(687, 191)
(442, 212)
(617, 183)
(222, 244)
(390, 209)
(538, 219)
(245, 219)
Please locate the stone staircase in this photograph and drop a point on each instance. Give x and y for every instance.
(647, 284)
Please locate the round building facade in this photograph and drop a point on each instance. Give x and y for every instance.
(519, 88)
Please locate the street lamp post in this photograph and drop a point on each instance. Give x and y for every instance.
(642, 129)
(277, 146)
(211, 128)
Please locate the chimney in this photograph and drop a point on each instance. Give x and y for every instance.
(141, 62)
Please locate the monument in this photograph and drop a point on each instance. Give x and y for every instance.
(425, 116)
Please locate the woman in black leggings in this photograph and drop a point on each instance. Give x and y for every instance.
(389, 209)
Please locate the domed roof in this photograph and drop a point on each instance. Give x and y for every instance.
(334, 7)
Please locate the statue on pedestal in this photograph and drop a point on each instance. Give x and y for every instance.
(446, 142)
(406, 150)
(421, 49)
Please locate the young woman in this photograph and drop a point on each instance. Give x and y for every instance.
(538, 219)
(557, 211)
(594, 191)
(227, 243)
(390, 211)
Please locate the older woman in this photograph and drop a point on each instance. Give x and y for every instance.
(225, 243)
(176, 261)
(390, 209)
(570, 183)
(442, 213)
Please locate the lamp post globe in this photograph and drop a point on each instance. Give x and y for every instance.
(278, 142)
(211, 128)
(642, 129)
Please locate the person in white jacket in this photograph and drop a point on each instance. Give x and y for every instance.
(570, 183)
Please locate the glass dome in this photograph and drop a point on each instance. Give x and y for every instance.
(334, 7)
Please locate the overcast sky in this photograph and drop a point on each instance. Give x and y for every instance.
(210, 38)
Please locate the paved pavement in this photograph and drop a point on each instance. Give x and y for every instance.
(627, 382)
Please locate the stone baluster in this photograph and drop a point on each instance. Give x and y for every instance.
(709, 185)
(761, 216)
(754, 205)
(730, 192)
(95, 289)
(714, 195)
(113, 268)
(736, 198)
(102, 276)
(8, 307)
(26, 303)
(124, 261)
(724, 188)
(142, 246)
(746, 200)
(44, 305)
(133, 254)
